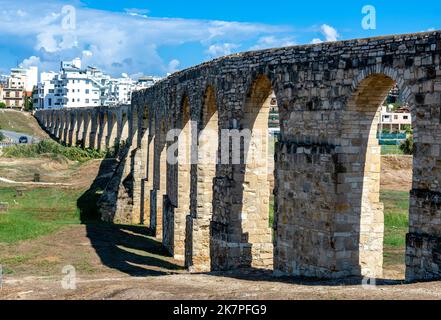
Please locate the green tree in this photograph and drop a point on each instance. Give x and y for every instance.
(407, 146)
(2, 105)
(28, 104)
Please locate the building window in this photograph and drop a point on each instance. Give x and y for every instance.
(50, 102)
(405, 117)
(78, 100)
(87, 91)
(73, 100)
(396, 117)
(87, 100)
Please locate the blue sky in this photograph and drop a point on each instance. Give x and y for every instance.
(159, 37)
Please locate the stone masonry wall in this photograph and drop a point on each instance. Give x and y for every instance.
(328, 218)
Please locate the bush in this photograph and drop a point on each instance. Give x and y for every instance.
(53, 150)
(407, 146)
(2, 105)
(2, 137)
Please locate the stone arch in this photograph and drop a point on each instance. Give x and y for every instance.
(159, 191)
(56, 132)
(103, 129)
(359, 209)
(178, 205)
(256, 193)
(112, 133)
(66, 127)
(94, 127)
(87, 119)
(79, 141)
(123, 130)
(146, 145)
(72, 129)
(197, 250)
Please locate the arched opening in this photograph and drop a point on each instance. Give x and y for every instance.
(63, 125)
(124, 129)
(112, 133)
(102, 135)
(72, 129)
(175, 218)
(253, 204)
(94, 131)
(375, 179)
(87, 129)
(159, 180)
(143, 145)
(79, 134)
(197, 257)
(58, 129)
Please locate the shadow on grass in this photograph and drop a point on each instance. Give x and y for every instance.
(129, 249)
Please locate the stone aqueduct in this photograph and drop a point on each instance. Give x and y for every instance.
(328, 216)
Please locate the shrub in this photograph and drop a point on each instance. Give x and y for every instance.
(2, 105)
(53, 150)
(407, 146)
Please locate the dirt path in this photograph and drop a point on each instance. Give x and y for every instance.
(116, 262)
(396, 173)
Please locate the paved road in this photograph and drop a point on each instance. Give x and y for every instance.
(14, 136)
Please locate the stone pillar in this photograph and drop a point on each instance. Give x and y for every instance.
(66, 129)
(423, 242)
(160, 186)
(93, 132)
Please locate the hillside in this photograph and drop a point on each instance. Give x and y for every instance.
(22, 122)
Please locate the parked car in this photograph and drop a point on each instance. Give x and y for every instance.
(23, 139)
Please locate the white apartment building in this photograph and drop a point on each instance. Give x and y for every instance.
(394, 121)
(44, 97)
(18, 85)
(121, 91)
(76, 87)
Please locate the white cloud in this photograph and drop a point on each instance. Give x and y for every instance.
(223, 49)
(328, 32)
(137, 12)
(32, 61)
(87, 53)
(273, 42)
(129, 41)
(173, 65)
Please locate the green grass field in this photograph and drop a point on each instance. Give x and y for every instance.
(396, 217)
(19, 122)
(387, 150)
(38, 212)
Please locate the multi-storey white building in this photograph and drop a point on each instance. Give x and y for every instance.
(44, 97)
(18, 85)
(76, 87)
